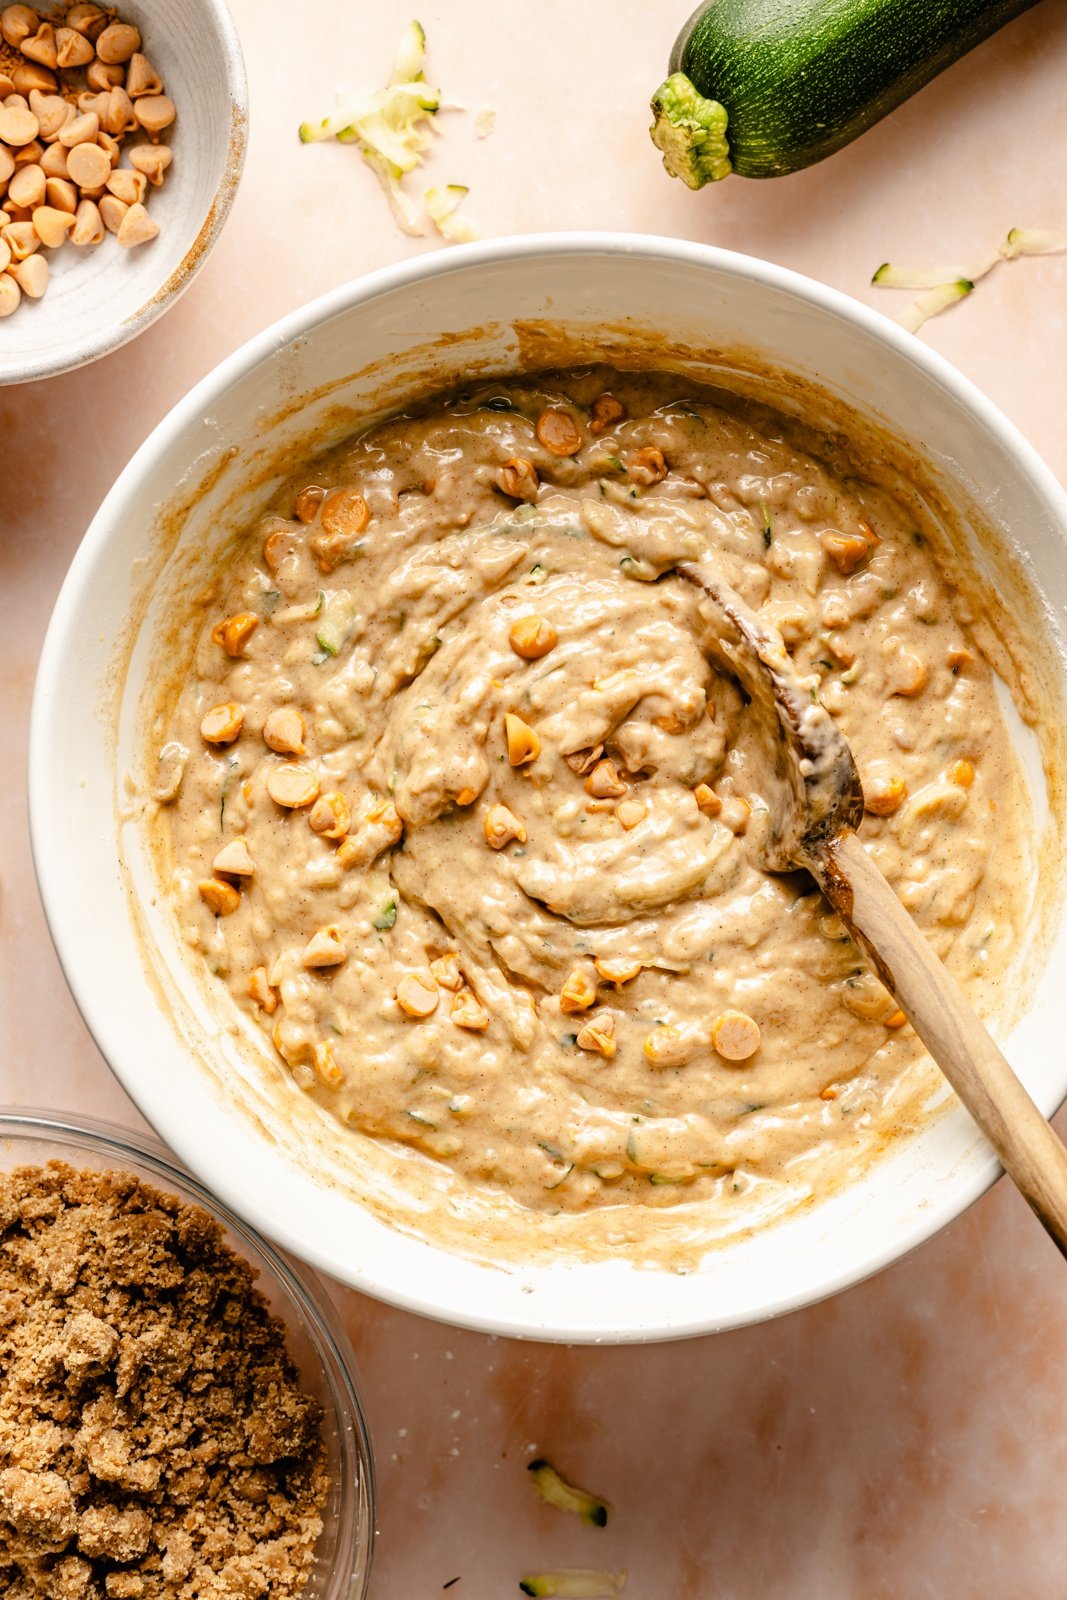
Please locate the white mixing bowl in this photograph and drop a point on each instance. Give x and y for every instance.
(232, 1115)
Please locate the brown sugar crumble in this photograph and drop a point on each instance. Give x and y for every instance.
(154, 1439)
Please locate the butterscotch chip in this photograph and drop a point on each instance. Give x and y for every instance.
(416, 994)
(142, 77)
(136, 227)
(578, 992)
(532, 637)
(52, 225)
(598, 1036)
(647, 466)
(630, 813)
(522, 742)
(283, 731)
(155, 112)
(72, 48)
(10, 294)
(518, 478)
(557, 430)
(604, 783)
(607, 411)
(222, 724)
(88, 165)
(219, 896)
(234, 860)
(468, 1012)
(151, 159)
(117, 43)
(293, 786)
(42, 46)
(707, 800)
(345, 515)
(735, 1036)
(17, 126)
(310, 498)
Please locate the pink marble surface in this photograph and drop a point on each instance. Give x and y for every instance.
(908, 1436)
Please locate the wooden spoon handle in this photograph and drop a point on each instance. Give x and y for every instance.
(1030, 1151)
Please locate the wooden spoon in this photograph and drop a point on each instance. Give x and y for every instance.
(816, 804)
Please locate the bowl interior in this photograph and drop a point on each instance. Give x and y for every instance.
(99, 296)
(229, 1113)
(314, 1338)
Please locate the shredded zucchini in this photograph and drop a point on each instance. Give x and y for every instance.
(889, 276)
(386, 917)
(565, 1497)
(383, 118)
(1033, 242)
(407, 67)
(573, 1583)
(934, 301)
(948, 285)
(441, 207)
(392, 128)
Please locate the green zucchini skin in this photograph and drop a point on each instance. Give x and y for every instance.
(800, 79)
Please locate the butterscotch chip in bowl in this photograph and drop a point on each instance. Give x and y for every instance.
(136, 130)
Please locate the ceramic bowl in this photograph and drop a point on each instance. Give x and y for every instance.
(315, 1339)
(101, 296)
(229, 1111)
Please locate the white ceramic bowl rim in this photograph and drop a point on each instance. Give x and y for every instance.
(927, 1218)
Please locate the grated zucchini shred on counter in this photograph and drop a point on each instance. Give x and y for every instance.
(890, 276)
(556, 1491)
(1033, 242)
(573, 1583)
(933, 301)
(393, 128)
(946, 286)
(441, 208)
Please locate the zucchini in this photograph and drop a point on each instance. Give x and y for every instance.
(573, 1583)
(556, 1491)
(385, 918)
(333, 627)
(766, 87)
(935, 300)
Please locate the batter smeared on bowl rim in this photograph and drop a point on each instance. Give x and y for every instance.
(456, 806)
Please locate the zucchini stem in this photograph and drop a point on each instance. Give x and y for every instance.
(691, 132)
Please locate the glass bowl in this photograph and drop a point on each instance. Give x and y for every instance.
(315, 1339)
